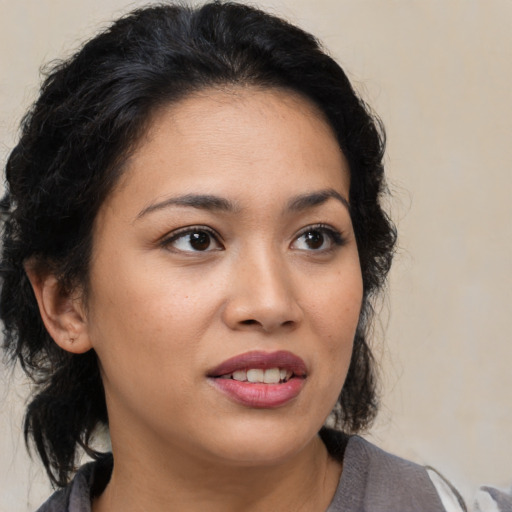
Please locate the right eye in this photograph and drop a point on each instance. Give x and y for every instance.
(193, 240)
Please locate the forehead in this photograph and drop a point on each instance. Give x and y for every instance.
(237, 141)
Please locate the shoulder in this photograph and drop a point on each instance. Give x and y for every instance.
(374, 480)
(73, 498)
(89, 481)
(382, 481)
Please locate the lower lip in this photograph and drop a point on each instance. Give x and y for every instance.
(258, 395)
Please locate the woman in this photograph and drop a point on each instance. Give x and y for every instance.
(192, 239)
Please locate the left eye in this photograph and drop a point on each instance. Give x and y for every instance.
(193, 240)
(317, 239)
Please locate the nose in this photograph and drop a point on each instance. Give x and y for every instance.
(262, 296)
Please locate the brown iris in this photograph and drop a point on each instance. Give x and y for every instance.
(200, 240)
(314, 239)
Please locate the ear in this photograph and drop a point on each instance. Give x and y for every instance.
(62, 312)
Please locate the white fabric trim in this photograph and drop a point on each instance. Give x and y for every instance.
(485, 503)
(447, 496)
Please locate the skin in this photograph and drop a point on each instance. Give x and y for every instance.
(161, 314)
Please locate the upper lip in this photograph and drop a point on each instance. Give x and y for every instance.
(261, 360)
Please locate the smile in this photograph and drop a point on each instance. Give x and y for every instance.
(260, 379)
(269, 376)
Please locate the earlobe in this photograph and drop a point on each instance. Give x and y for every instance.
(62, 312)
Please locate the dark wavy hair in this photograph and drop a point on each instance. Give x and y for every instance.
(91, 112)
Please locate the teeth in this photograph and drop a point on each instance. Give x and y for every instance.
(240, 375)
(255, 375)
(258, 375)
(272, 376)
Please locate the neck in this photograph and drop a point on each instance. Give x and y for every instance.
(172, 479)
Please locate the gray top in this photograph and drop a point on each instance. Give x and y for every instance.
(375, 481)
(372, 481)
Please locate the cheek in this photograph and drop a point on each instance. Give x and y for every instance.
(335, 306)
(146, 344)
(144, 321)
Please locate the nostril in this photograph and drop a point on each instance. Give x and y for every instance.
(249, 322)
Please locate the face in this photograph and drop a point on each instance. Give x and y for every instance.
(226, 257)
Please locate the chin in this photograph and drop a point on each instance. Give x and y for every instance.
(262, 443)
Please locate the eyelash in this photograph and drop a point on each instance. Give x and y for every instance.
(336, 238)
(190, 230)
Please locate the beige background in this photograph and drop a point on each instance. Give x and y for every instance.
(439, 72)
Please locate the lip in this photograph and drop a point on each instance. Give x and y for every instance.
(260, 395)
(263, 361)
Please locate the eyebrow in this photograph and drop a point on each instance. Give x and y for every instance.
(199, 201)
(216, 203)
(305, 201)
